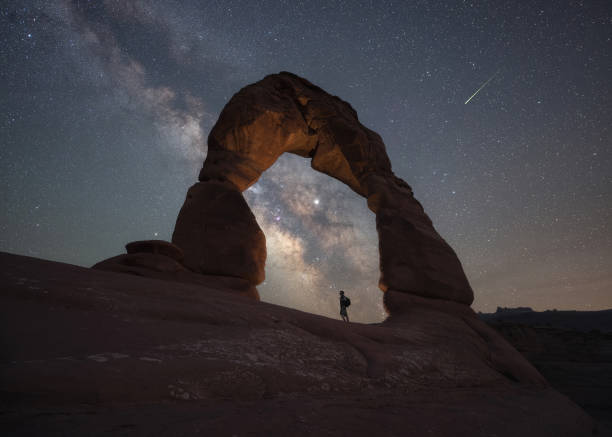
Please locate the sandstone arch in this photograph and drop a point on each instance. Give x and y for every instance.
(285, 113)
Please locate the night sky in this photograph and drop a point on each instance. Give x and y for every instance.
(106, 106)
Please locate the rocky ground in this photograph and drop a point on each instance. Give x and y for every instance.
(572, 350)
(89, 352)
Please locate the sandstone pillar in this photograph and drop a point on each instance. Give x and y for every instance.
(218, 233)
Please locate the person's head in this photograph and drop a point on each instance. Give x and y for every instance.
(341, 292)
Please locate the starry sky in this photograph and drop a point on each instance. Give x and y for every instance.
(106, 106)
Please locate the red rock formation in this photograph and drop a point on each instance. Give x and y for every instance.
(285, 113)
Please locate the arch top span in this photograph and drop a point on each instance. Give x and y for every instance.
(286, 113)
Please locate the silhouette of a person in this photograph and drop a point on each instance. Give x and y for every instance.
(344, 302)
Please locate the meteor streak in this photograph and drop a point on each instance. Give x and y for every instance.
(481, 87)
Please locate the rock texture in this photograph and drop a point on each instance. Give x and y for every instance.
(286, 113)
(91, 352)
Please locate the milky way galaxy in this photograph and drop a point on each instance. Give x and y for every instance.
(107, 106)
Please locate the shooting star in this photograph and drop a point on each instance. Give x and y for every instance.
(481, 87)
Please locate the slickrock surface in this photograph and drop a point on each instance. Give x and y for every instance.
(91, 352)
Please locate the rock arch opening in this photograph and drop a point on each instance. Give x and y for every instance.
(320, 238)
(219, 234)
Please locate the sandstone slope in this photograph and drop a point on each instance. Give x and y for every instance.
(89, 352)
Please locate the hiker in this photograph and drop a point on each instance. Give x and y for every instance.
(344, 303)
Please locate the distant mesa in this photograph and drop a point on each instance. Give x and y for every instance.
(218, 234)
(517, 310)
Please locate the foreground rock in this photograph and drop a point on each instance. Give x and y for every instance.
(90, 352)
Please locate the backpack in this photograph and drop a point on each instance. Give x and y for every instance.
(347, 302)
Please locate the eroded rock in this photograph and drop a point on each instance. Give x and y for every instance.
(286, 113)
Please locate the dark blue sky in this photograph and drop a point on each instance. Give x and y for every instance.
(107, 105)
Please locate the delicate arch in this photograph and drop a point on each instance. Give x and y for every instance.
(285, 113)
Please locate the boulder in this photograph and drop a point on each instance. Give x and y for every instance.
(141, 264)
(156, 246)
(154, 265)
